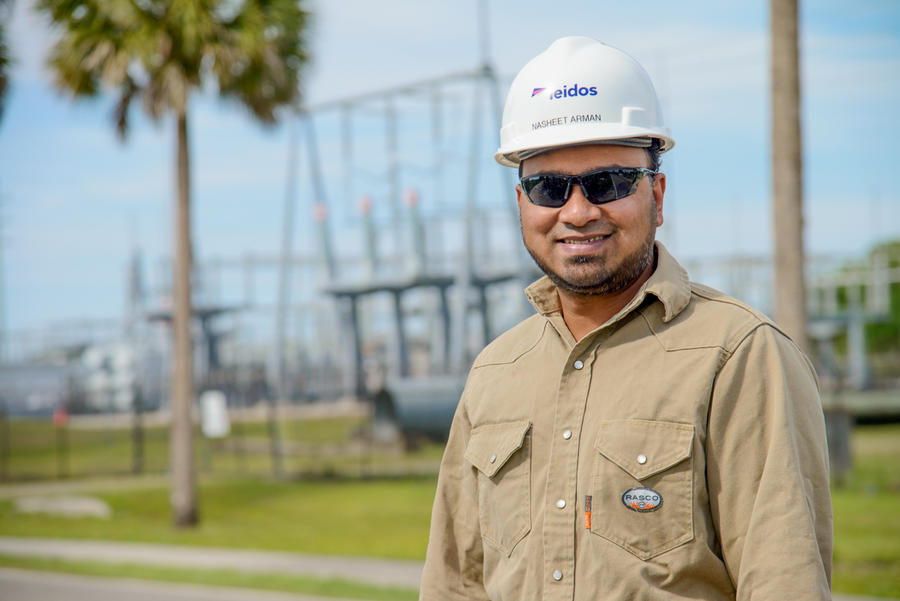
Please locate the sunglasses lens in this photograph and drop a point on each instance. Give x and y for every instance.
(625, 181)
(599, 187)
(546, 190)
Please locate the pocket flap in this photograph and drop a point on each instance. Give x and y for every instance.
(643, 447)
(491, 445)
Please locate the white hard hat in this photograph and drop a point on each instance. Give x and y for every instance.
(579, 91)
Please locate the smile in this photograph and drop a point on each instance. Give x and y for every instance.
(583, 241)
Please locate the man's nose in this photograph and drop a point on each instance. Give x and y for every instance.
(578, 210)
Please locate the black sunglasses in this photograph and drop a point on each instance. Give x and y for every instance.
(599, 186)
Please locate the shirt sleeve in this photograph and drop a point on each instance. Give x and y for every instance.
(453, 563)
(767, 472)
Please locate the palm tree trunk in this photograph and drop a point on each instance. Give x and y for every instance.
(787, 173)
(184, 494)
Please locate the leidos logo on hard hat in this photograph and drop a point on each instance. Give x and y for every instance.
(567, 91)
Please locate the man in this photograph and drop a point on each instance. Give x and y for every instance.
(641, 436)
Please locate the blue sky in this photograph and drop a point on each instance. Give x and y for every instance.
(75, 201)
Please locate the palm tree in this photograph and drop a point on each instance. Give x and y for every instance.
(160, 51)
(787, 172)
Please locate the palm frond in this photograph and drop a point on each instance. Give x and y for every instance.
(5, 61)
(4, 66)
(129, 91)
(161, 50)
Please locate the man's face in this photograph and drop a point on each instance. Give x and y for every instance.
(585, 248)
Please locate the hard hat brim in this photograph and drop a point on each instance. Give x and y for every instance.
(513, 154)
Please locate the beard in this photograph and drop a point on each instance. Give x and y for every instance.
(593, 276)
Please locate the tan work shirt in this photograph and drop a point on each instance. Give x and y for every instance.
(676, 452)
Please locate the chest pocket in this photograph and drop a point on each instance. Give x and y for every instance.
(651, 461)
(502, 455)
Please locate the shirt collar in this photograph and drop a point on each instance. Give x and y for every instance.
(669, 283)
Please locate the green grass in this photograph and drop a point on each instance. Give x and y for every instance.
(867, 543)
(867, 516)
(376, 518)
(34, 452)
(319, 446)
(337, 588)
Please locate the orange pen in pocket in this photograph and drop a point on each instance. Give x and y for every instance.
(587, 512)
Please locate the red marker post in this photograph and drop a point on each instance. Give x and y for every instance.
(61, 423)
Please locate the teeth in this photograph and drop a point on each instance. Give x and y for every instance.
(588, 241)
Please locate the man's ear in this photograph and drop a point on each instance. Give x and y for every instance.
(659, 192)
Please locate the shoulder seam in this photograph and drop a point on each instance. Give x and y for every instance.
(517, 357)
(655, 334)
(701, 291)
(728, 353)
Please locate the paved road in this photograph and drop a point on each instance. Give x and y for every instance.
(383, 572)
(25, 585)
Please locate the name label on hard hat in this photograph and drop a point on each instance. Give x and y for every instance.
(642, 499)
(564, 119)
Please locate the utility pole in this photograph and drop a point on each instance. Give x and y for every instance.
(787, 173)
(285, 273)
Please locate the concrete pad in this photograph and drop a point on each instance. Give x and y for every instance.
(70, 506)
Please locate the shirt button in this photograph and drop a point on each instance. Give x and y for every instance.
(557, 575)
(561, 503)
(494, 458)
(578, 364)
(567, 434)
(642, 459)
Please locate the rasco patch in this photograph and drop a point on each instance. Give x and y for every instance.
(642, 499)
